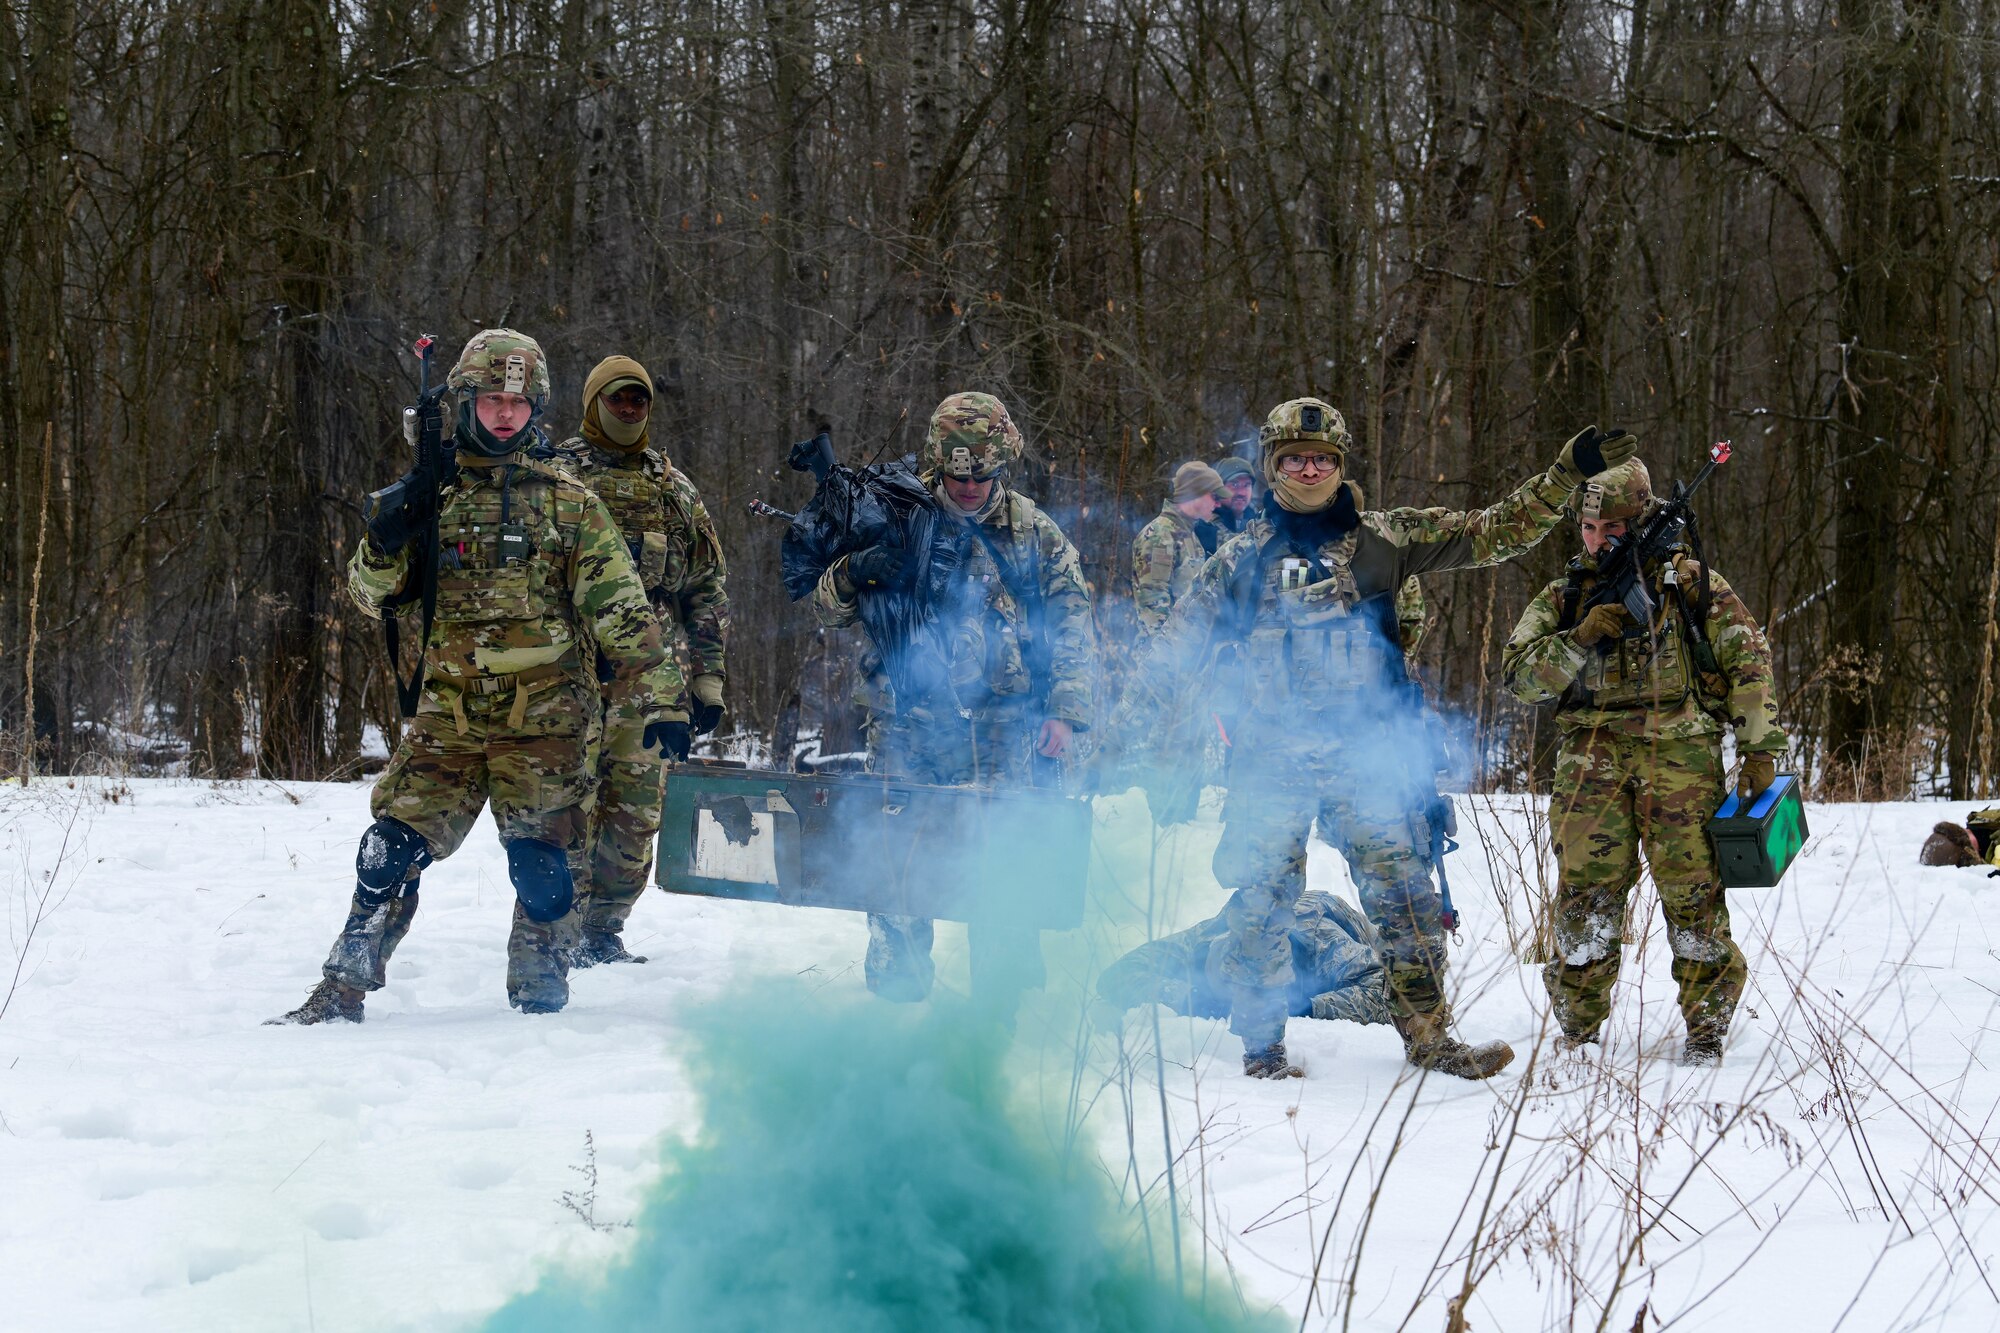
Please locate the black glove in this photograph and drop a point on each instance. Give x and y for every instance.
(671, 739)
(391, 529)
(878, 567)
(1591, 451)
(705, 700)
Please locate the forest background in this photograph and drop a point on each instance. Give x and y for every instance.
(1474, 227)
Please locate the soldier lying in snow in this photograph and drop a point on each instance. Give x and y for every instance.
(1335, 971)
(1969, 844)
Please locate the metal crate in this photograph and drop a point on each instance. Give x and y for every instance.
(1002, 857)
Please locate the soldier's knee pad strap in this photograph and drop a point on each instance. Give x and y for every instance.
(388, 851)
(542, 881)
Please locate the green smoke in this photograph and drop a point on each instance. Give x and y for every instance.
(863, 1169)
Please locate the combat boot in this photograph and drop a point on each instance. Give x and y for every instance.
(1703, 1049)
(329, 1000)
(602, 946)
(1270, 1062)
(1428, 1044)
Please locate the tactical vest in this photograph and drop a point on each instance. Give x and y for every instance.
(1333, 652)
(638, 497)
(500, 553)
(1634, 674)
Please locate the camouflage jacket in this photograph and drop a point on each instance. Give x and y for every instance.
(1281, 595)
(994, 648)
(500, 614)
(671, 539)
(1165, 556)
(1640, 690)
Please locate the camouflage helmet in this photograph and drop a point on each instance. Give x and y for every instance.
(971, 437)
(502, 361)
(1302, 422)
(1625, 491)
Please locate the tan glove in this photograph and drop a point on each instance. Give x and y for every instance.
(1758, 772)
(1602, 622)
(1591, 451)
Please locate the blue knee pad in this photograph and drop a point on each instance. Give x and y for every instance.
(542, 882)
(388, 850)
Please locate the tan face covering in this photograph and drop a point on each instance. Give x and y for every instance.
(1297, 496)
(600, 427)
(1293, 493)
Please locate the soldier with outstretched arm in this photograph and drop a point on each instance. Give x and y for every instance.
(1306, 596)
(1641, 717)
(530, 570)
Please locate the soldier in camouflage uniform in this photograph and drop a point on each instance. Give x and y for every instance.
(531, 573)
(672, 542)
(1336, 970)
(1307, 596)
(1023, 662)
(1640, 763)
(1240, 480)
(1168, 550)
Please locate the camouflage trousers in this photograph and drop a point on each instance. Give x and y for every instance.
(442, 776)
(1366, 808)
(624, 805)
(1612, 795)
(993, 747)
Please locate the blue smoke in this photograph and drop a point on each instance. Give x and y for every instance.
(863, 1169)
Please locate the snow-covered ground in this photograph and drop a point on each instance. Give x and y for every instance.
(168, 1163)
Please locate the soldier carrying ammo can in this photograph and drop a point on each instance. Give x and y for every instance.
(1642, 709)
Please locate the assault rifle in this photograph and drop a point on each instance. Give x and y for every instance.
(1621, 573)
(418, 489)
(885, 504)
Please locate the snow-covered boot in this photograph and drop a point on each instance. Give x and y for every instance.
(602, 946)
(329, 1000)
(1703, 1049)
(1270, 1062)
(1428, 1044)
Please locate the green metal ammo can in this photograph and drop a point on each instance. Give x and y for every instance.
(1754, 846)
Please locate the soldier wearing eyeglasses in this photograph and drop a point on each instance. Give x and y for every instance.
(1306, 597)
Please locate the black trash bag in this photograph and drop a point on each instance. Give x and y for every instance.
(885, 504)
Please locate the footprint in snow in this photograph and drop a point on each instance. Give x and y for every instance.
(342, 1220)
